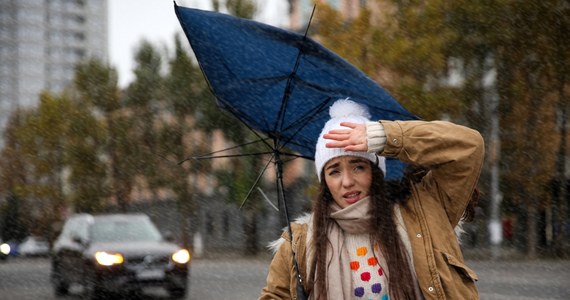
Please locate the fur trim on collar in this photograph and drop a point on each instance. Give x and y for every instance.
(459, 231)
(303, 219)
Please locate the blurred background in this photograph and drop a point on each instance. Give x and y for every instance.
(101, 100)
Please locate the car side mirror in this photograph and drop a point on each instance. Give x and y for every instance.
(78, 240)
(168, 236)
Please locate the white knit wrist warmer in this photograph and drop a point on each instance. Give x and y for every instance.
(376, 137)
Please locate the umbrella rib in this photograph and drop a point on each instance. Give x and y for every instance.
(342, 91)
(294, 156)
(306, 119)
(256, 182)
(267, 199)
(230, 155)
(220, 151)
(165, 158)
(309, 115)
(302, 146)
(287, 92)
(234, 112)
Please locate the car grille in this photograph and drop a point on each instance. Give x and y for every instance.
(147, 261)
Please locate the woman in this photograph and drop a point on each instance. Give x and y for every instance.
(362, 240)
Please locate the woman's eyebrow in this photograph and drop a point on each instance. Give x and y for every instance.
(358, 160)
(335, 165)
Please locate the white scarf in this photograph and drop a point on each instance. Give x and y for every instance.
(353, 219)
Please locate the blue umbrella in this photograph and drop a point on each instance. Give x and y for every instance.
(280, 84)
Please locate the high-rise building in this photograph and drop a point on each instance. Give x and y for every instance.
(41, 41)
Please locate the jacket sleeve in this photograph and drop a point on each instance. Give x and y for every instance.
(278, 277)
(453, 153)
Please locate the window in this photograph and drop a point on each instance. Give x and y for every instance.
(135, 229)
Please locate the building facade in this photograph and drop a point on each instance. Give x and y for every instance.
(300, 10)
(40, 43)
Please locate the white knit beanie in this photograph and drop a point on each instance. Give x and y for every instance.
(343, 110)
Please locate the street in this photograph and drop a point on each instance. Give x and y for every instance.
(239, 278)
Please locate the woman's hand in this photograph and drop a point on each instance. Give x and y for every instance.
(351, 139)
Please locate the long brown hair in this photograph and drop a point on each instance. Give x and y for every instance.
(383, 233)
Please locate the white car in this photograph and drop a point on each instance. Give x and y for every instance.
(34, 246)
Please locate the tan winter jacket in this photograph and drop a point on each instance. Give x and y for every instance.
(454, 155)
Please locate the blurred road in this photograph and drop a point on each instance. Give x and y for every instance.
(240, 278)
(523, 280)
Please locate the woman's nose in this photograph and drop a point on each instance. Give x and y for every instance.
(347, 179)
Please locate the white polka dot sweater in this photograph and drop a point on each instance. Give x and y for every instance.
(368, 278)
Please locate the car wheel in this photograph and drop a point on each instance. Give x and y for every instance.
(177, 293)
(131, 294)
(91, 288)
(60, 286)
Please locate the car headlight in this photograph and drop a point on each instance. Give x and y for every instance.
(5, 248)
(181, 256)
(108, 259)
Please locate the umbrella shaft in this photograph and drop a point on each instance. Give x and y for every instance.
(281, 197)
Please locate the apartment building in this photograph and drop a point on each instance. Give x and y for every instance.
(40, 43)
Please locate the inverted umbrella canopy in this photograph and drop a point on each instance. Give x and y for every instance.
(280, 83)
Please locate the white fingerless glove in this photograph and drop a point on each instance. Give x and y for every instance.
(376, 137)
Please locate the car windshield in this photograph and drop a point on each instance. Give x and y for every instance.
(132, 230)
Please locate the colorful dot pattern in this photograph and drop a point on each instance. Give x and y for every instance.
(368, 277)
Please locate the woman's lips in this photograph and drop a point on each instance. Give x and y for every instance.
(351, 197)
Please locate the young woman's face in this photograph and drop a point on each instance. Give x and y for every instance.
(348, 179)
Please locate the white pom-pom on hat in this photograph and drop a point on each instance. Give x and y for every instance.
(343, 110)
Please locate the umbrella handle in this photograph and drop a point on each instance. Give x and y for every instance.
(300, 290)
